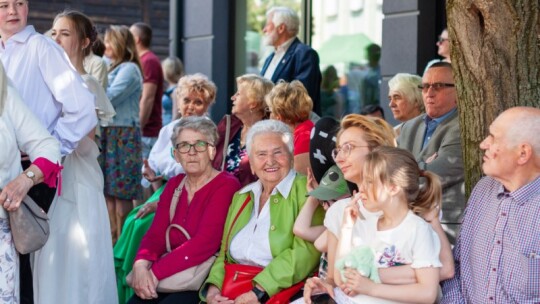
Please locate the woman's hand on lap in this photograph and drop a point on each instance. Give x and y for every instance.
(213, 296)
(356, 283)
(316, 286)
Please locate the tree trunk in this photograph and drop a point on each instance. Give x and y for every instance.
(496, 60)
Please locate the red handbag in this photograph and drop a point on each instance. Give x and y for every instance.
(238, 278)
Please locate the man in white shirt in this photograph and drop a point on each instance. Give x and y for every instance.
(292, 60)
(51, 88)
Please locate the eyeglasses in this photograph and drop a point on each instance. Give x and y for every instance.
(345, 150)
(436, 86)
(441, 39)
(199, 146)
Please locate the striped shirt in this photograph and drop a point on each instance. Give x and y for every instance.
(497, 254)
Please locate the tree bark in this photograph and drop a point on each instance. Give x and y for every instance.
(496, 61)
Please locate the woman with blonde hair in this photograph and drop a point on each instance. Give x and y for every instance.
(291, 104)
(120, 162)
(248, 107)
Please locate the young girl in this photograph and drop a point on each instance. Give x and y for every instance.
(391, 184)
(78, 255)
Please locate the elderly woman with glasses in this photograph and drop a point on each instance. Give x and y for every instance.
(202, 204)
(258, 237)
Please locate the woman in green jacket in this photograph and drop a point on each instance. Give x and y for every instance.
(262, 233)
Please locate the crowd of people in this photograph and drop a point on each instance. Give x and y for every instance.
(273, 204)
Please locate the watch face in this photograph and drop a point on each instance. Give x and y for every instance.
(30, 174)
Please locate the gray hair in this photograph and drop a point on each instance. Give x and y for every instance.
(525, 128)
(284, 15)
(200, 124)
(407, 85)
(172, 68)
(270, 126)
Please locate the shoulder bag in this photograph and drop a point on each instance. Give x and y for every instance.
(187, 279)
(29, 226)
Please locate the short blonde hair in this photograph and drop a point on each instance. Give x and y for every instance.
(199, 84)
(377, 132)
(407, 86)
(173, 69)
(290, 101)
(256, 88)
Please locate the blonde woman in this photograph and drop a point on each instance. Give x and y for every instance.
(291, 104)
(120, 162)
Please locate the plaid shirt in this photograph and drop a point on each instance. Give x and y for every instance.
(497, 254)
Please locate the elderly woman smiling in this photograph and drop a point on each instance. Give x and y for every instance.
(258, 230)
(202, 195)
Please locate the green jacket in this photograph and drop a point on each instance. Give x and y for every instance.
(293, 258)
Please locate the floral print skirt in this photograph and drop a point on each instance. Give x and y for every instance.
(9, 265)
(121, 162)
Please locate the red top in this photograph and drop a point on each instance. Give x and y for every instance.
(302, 134)
(203, 218)
(153, 74)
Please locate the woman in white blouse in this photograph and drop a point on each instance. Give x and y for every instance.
(20, 131)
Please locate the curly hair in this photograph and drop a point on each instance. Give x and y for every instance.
(199, 84)
(290, 102)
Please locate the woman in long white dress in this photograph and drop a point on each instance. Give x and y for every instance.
(20, 130)
(76, 264)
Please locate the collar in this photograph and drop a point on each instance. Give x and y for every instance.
(23, 35)
(440, 119)
(285, 45)
(284, 187)
(523, 194)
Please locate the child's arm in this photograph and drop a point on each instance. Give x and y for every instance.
(424, 291)
(447, 259)
(321, 243)
(302, 226)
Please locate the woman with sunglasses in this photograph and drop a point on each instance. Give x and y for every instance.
(201, 210)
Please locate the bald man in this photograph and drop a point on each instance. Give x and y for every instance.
(497, 254)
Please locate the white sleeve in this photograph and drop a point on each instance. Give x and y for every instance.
(334, 216)
(426, 247)
(32, 137)
(78, 115)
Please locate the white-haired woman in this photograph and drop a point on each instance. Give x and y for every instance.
(20, 131)
(258, 231)
(405, 98)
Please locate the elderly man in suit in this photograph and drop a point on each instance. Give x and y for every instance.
(291, 60)
(434, 139)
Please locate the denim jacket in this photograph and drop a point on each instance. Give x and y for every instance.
(124, 91)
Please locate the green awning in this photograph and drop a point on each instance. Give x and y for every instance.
(344, 49)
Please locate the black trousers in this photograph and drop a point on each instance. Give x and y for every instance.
(43, 196)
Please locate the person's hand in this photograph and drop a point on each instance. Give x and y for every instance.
(311, 181)
(14, 192)
(149, 174)
(247, 298)
(213, 296)
(146, 209)
(356, 283)
(143, 280)
(316, 286)
(352, 211)
(431, 215)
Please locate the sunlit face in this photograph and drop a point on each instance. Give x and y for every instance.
(401, 108)
(193, 162)
(500, 156)
(352, 165)
(439, 101)
(65, 35)
(270, 159)
(240, 102)
(191, 104)
(443, 45)
(13, 17)
(270, 32)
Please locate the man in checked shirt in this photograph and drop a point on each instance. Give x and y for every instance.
(497, 253)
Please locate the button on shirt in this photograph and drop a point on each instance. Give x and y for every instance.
(278, 55)
(498, 251)
(49, 86)
(431, 125)
(251, 245)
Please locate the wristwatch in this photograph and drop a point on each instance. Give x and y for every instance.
(31, 175)
(262, 296)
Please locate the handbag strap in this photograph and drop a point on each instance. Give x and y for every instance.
(226, 140)
(248, 198)
(172, 211)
